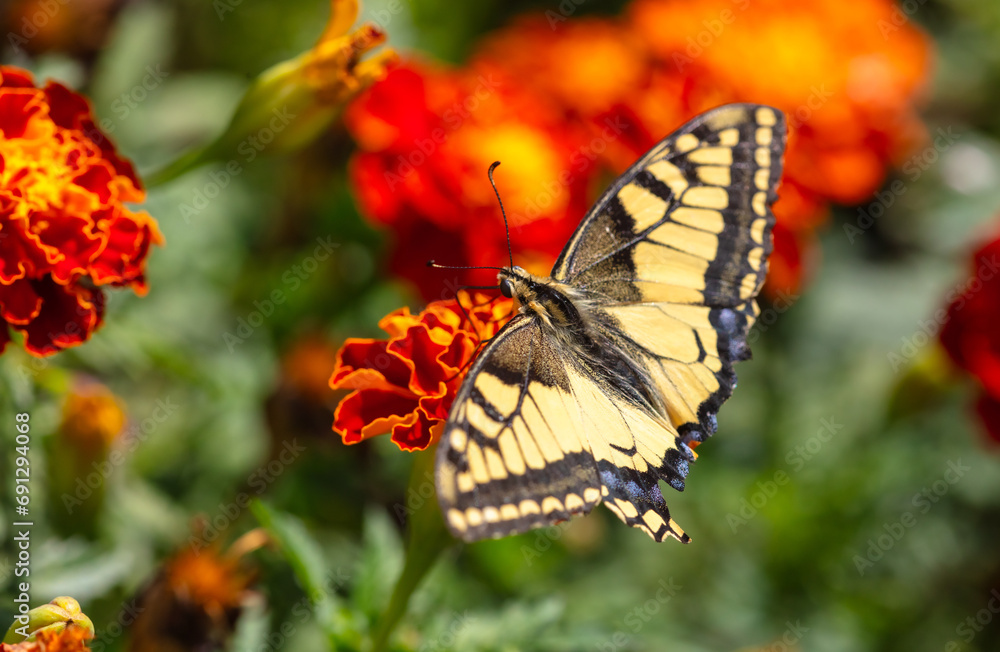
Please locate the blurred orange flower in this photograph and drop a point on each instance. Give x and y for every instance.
(65, 230)
(846, 79)
(93, 417)
(581, 99)
(197, 598)
(405, 385)
(70, 639)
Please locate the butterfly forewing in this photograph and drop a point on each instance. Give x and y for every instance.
(665, 268)
(680, 242)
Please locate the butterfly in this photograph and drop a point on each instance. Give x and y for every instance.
(617, 363)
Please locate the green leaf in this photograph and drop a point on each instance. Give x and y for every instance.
(313, 573)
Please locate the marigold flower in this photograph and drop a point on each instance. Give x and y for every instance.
(196, 600)
(405, 385)
(427, 137)
(971, 337)
(73, 638)
(65, 230)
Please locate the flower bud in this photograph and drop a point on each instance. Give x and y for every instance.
(53, 617)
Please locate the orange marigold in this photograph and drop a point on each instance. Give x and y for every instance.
(405, 385)
(197, 598)
(64, 228)
(69, 639)
(847, 80)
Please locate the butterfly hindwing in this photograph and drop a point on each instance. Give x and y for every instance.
(676, 251)
(537, 437)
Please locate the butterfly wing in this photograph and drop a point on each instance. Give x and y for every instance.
(675, 252)
(534, 437)
(513, 455)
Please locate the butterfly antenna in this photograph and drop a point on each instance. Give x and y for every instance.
(506, 226)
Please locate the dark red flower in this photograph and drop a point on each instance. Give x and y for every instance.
(971, 335)
(65, 229)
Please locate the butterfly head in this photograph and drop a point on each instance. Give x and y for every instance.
(538, 296)
(513, 281)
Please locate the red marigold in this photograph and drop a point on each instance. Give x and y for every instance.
(971, 337)
(427, 137)
(64, 227)
(406, 384)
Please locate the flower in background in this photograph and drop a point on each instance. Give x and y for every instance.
(291, 103)
(65, 229)
(197, 598)
(846, 80)
(568, 103)
(79, 29)
(971, 335)
(427, 137)
(82, 456)
(405, 385)
(92, 419)
(302, 402)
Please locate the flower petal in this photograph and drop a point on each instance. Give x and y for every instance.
(369, 412)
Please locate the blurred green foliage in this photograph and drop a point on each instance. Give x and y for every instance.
(816, 462)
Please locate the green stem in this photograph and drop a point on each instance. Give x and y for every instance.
(179, 166)
(428, 538)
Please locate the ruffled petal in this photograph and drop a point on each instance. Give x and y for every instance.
(68, 316)
(369, 412)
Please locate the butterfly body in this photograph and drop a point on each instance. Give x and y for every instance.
(615, 366)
